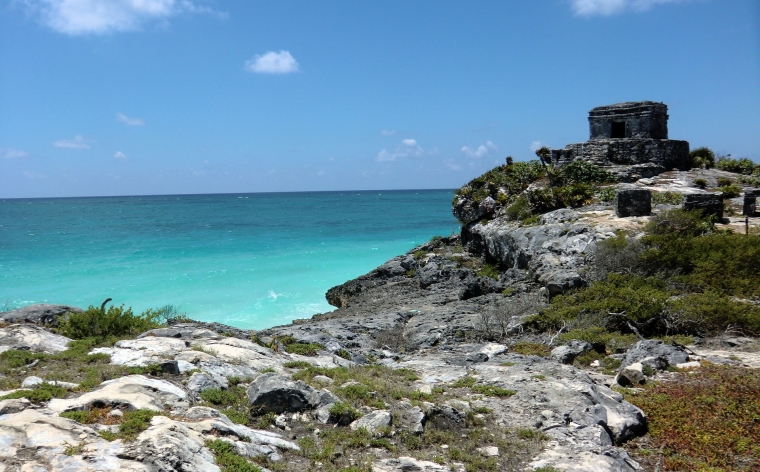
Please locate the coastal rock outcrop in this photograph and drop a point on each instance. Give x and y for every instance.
(26, 337)
(39, 313)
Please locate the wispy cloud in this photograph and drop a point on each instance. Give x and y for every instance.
(121, 156)
(481, 151)
(77, 143)
(122, 118)
(589, 8)
(387, 132)
(34, 175)
(407, 148)
(452, 165)
(11, 153)
(536, 145)
(82, 17)
(272, 63)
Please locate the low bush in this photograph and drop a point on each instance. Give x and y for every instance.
(296, 347)
(101, 323)
(42, 393)
(228, 459)
(731, 191)
(723, 181)
(707, 419)
(702, 158)
(490, 271)
(701, 183)
(668, 198)
(584, 172)
(739, 166)
(531, 349)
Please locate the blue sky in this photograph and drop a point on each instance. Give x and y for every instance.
(134, 97)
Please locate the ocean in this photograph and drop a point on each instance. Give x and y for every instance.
(247, 260)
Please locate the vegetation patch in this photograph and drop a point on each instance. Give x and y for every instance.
(708, 419)
(227, 458)
(668, 198)
(490, 271)
(295, 347)
(531, 349)
(102, 324)
(42, 393)
(232, 401)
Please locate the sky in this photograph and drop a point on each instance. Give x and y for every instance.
(142, 97)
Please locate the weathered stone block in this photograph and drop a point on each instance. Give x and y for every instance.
(750, 201)
(633, 202)
(709, 203)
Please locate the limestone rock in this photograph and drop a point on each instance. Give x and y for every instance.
(566, 354)
(373, 421)
(14, 405)
(278, 393)
(40, 313)
(408, 417)
(31, 338)
(201, 381)
(407, 464)
(445, 417)
(631, 375)
(33, 381)
(655, 354)
(135, 391)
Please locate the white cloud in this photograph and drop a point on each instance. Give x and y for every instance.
(452, 165)
(120, 155)
(80, 17)
(272, 63)
(536, 145)
(122, 118)
(77, 143)
(12, 153)
(407, 148)
(34, 175)
(387, 132)
(612, 7)
(482, 151)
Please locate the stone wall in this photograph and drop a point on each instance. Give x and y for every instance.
(667, 153)
(641, 120)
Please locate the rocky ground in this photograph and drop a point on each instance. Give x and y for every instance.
(404, 375)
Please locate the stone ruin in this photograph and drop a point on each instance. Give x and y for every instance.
(629, 139)
(750, 201)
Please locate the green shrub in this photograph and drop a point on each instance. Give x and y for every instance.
(343, 353)
(584, 172)
(99, 323)
(606, 194)
(723, 181)
(492, 391)
(16, 358)
(731, 191)
(531, 349)
(738, 166)
(343, 413)
(489, 270)
(42, 393)
(227, 458)
(519, 209)
(218, 396)
(601, 338)
(701, 183)
(702, 157)
(419, 254)
(711, 312)
(135, 422)
(297, 365)
(669, 198)
(304, 349)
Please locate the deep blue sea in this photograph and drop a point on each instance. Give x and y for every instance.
(248, 260)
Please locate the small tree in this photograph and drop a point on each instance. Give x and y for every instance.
(703, 158)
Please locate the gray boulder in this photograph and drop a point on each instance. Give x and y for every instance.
(40, 313)
(408, 417)
(566, 354)
(373, 421)
(278, 393)
(445, 417)
(467, 210)
(31, 338)
(201, 381)
(631, 376)
(655, 354)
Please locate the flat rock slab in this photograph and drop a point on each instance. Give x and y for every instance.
(31, 338)
(134, 391)
(407, 464)
(40, 313)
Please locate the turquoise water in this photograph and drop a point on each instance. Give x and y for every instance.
(248, 260)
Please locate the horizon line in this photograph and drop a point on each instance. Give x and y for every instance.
(231, 193)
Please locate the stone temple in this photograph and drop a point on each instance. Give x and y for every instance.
(630, 139)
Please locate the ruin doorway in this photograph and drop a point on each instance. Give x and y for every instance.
(618, 129)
